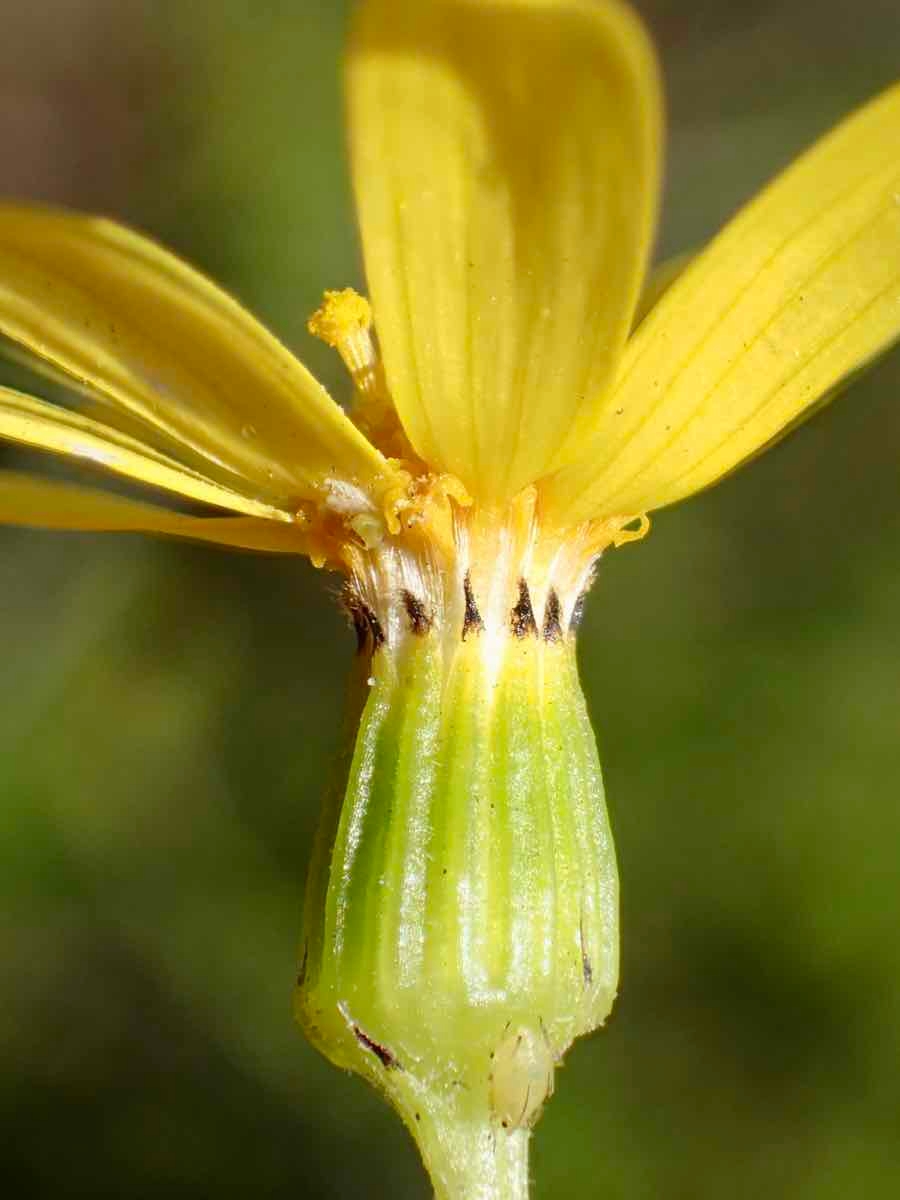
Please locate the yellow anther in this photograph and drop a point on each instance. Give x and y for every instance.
(340, 316)
(396, 500)
(424, 503)
(344, 322)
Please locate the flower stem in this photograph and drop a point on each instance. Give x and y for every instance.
(472, 1160)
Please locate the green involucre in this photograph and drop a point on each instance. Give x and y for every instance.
(461, 923)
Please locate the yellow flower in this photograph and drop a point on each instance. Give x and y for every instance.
(523, 397)
(506, 161)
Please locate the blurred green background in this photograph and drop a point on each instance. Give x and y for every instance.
(168, 713)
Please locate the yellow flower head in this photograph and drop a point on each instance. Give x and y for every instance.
(506, 160)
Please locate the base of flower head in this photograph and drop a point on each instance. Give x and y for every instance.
(459, 570)
(424, 516)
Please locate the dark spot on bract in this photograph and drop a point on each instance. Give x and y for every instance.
(521, 618)
(552, 627)
(388, 1060)
(587, 970)
(472, 622)
(365, 623)
(384, 1056)
(355, 609)
(420, 620)
(375, 630)
(301, 974)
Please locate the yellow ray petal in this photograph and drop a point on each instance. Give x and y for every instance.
(34, 422)
(505, 157)
(92, 404)
(658, 283)
(49, 504)
(160, 341)
(799, 290)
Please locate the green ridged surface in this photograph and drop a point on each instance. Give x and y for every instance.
(467, 882)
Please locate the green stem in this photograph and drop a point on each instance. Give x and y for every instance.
(467, 1159)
